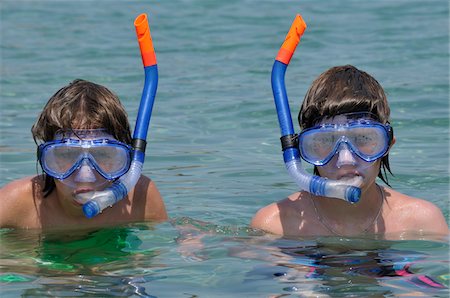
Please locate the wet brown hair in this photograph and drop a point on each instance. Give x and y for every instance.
(81, 105)
(345, 89)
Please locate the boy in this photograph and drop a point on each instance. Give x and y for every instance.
(346, 133)
(81, 113)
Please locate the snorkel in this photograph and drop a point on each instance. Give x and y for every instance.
(346, 190)
(99, 200)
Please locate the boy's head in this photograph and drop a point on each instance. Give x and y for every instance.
(344, 89)
(82, 105)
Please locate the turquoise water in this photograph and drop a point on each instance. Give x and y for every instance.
(214, 142)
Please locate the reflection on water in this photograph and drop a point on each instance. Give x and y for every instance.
(338, 270)
(98, 262)
(188, 258)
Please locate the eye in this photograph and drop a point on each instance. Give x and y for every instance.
(362, 140)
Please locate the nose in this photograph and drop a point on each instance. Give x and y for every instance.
(345, 156)
(85, 173)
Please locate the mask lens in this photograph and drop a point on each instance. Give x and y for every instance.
(317, 145)
(111, 159)
(59, 160)
(368, 142)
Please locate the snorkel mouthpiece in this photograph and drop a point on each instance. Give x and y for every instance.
(348, 190)
(99, 200)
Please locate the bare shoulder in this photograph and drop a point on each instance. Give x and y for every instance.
(415, 214)
(146, 194)
(268, 219)
(273, 217)
(17, 200)
(17, 190)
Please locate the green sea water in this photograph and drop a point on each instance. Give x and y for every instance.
(213, 143)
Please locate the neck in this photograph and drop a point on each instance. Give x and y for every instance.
(341, 218)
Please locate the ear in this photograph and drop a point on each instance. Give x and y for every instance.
(392, 143)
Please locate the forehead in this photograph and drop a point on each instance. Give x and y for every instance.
(83, 134)
(346, 118)
(339, 119)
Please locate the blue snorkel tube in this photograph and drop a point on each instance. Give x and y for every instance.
(99, 200)
(316, 185)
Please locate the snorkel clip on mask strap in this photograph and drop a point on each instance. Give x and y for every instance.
(289, 141)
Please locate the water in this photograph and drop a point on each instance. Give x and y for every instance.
(214, 142)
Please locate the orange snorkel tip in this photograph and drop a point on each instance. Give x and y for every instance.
(292, 40)
(145, 40)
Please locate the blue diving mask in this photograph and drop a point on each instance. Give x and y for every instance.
(361, 135)
(85, 151)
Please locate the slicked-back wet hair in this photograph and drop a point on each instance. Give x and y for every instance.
(345, 89)
(81, 105)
